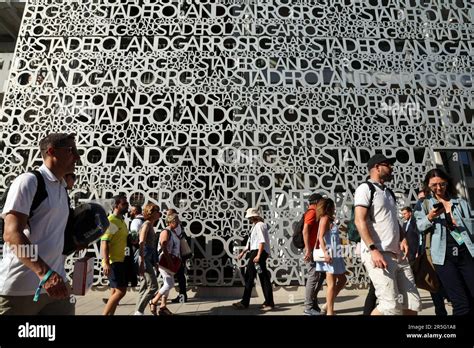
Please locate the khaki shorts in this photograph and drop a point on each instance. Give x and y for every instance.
(394, 286)
(24, 305)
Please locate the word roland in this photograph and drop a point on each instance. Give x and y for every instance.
(37, 331)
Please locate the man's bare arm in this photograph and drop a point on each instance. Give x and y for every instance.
(15, 224)
(363, 229)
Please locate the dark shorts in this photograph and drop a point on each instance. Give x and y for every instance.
(118, 275)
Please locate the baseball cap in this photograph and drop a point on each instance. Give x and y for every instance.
(314, 197)
(379, 158)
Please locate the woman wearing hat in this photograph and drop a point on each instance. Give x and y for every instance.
(259, 246)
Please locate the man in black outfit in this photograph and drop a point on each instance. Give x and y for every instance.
(412, 234)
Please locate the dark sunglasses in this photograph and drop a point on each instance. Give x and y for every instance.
(71, 149)
(385, 164)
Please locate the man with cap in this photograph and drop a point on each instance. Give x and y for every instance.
(384, 246)
(314, 280)
(259, 246)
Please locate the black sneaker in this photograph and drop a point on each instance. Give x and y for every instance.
(180, 299)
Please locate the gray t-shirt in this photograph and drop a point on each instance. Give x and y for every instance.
(136, 224)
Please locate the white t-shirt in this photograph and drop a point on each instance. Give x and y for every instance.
(258, 235)
(47, 232)
(136, 224)
(382, 218)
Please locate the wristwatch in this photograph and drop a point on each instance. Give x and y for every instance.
(372, 247)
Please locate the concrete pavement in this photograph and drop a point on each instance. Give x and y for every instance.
(218, 301)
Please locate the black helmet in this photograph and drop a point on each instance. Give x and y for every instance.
(86, 224)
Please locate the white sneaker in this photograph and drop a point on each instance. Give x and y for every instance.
(324, 308)
(138, 313)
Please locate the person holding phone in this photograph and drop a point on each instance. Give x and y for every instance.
(450, 219)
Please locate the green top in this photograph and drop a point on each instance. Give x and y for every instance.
(116, 235)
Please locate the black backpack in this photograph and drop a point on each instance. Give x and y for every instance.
(40, 196)
(297, 239)
(352, 233)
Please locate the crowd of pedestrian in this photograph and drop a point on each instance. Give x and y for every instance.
(36, 212)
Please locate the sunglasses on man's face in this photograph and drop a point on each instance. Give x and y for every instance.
(71, 149)
(384, 164)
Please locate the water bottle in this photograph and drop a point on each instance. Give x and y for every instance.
(258, 268)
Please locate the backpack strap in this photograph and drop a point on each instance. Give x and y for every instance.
(40, 194)
(372, 192)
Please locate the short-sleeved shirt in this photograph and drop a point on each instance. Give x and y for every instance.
(136, 224)
(382, 217)
(313, 224)
(45, 231)
(258, 235)
(116, 235)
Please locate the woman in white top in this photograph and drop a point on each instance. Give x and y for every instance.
(169, 245)
(259, 246)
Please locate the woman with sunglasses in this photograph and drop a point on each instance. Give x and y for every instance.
(450, 219)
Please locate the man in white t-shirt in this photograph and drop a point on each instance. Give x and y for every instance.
(137, 221)
(259, 246)
(384, 247)
(32, 275)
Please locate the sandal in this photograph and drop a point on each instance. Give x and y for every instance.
(153, 307)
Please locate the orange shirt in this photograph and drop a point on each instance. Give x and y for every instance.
(313, 224)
